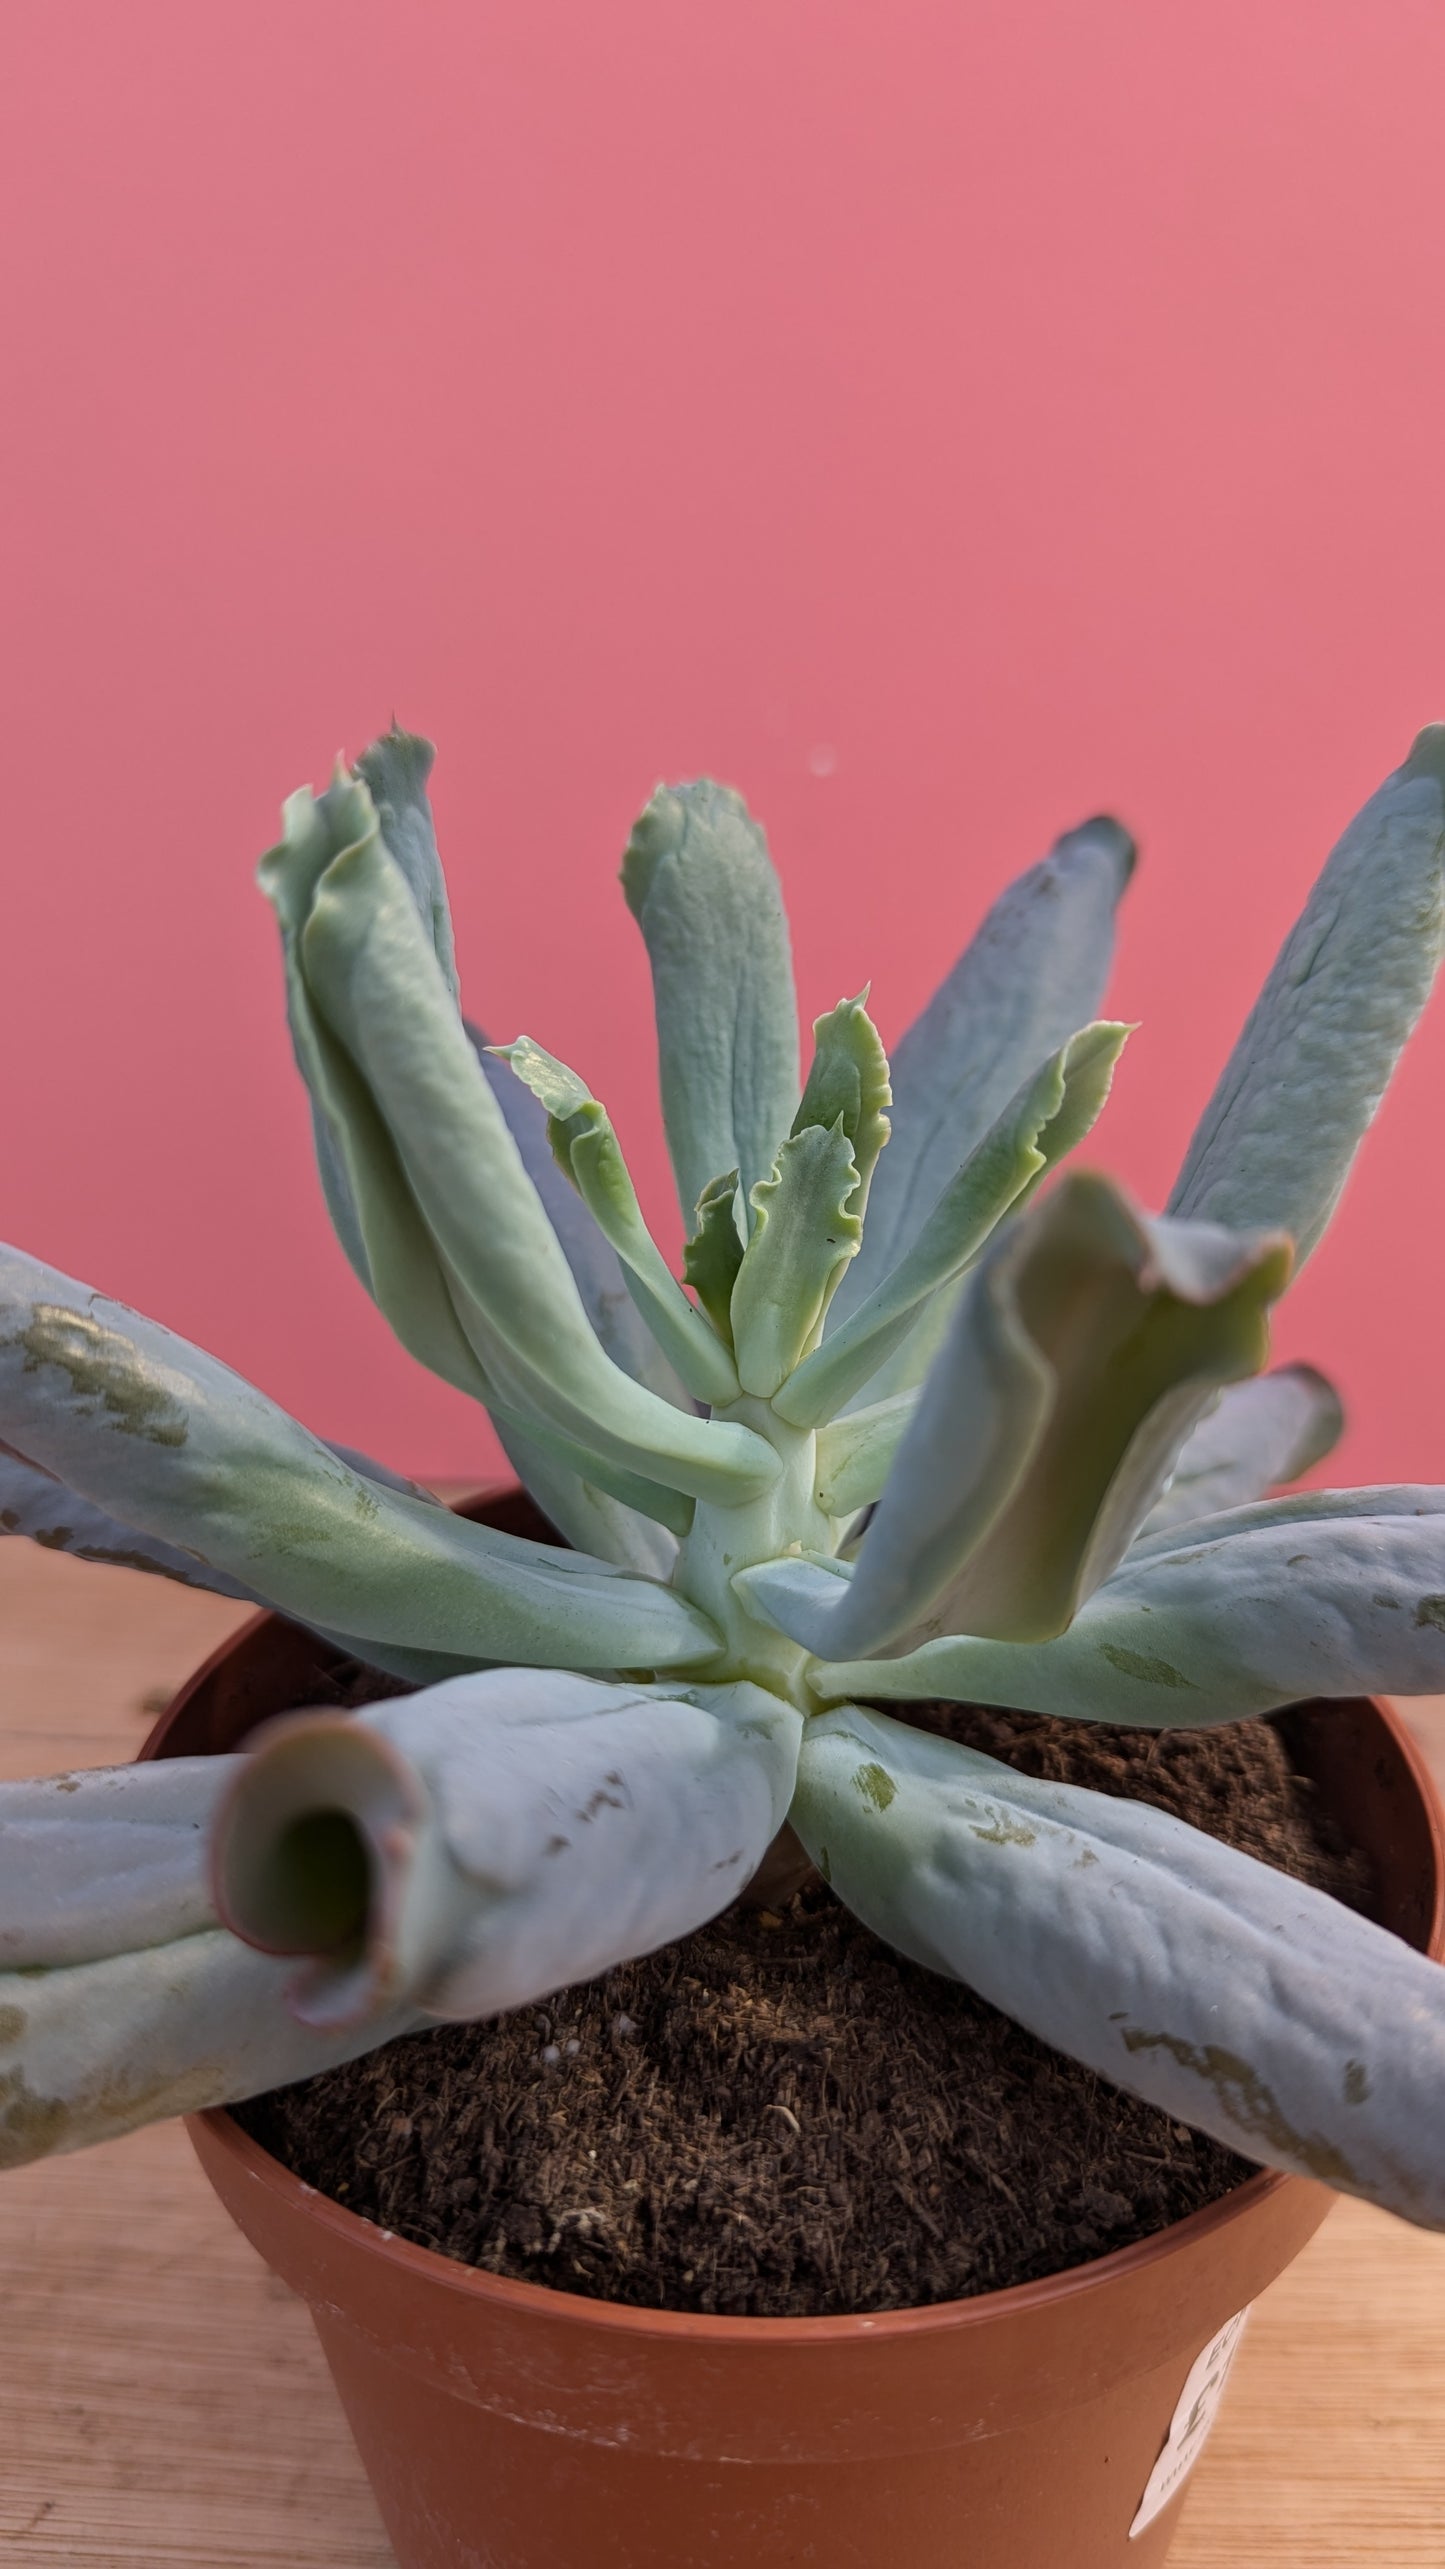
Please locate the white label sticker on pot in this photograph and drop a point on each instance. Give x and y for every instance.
(1189, 2430)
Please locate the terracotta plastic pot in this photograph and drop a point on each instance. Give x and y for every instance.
(505, 2426)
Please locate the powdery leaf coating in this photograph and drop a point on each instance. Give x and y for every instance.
(1321, 1041)
(1222, 1991)
(1033, 974)
(701, 886)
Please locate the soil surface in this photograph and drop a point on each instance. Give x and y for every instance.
(778, 2116)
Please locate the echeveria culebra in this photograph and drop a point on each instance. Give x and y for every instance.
(919, 1419)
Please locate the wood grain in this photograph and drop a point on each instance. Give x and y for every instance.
(165, 2402)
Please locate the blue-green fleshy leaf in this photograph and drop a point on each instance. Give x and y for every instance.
(128, 1415)
(1259, 1435)
(1303, 1082)
(1221, 1990)
(1034, 973)
(701, 886)
(1328, 1592)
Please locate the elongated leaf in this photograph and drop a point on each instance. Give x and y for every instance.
(366, 1189)
(701, 886)
(371, 973)
(1222, 1991)
(512, 1833)
(1086, 1344)
(596, 1267)
(92, 2050)
(1314, 1060)
(1326, 1593)
(370, 1203)
(803, 1236)
(590, 1517)
(395, 770)
(131, 1416)
(105, 1860)
(35, 1504)
(371, 1470)
(1034, 973)
(586, 1148)
(1260, 1434)
(891, 1337)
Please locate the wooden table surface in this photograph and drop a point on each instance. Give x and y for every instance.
(165, 2402)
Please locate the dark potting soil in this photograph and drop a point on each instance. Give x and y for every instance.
(780, 2117)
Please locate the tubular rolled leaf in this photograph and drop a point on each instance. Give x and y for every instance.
(521, 1831)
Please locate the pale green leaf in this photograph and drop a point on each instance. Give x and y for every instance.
(803, 1236)
(713, 1255)
(855, 1453)
(848, 1084)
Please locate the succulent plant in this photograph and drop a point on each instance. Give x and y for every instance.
(917, 1422)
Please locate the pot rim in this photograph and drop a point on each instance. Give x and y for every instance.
(217, 2130)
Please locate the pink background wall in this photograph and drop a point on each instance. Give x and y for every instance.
(939, 420)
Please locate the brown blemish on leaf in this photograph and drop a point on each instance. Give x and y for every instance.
(12, 2024)
(1003, 1831)
(1357, 2083)
(1431, 1611)
(875, 1784)
(1249, 2103)
(1150, 1672)
(33, 2127)
(599, 1801)
(1392, 1602)
(1296, 1559)
(104, 1367)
